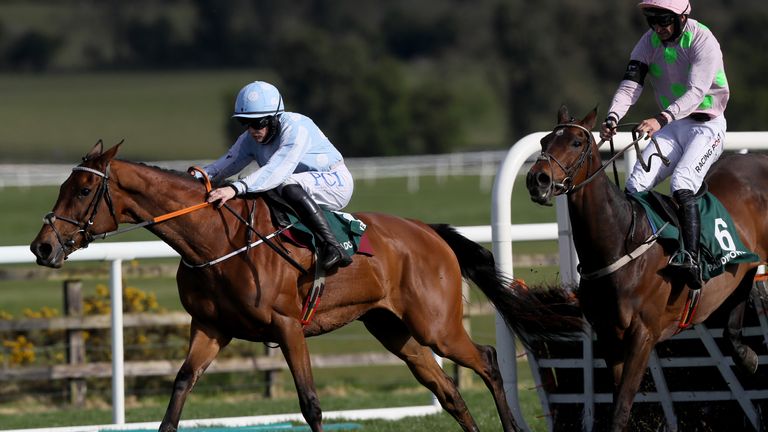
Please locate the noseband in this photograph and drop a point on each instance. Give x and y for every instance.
(93, 207)
(566, 186)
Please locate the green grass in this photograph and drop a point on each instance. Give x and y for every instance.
(200, 406)
(162, 116)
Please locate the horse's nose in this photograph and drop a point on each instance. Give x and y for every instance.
(42, 250)
(537, 181)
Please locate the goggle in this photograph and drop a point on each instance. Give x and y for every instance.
(662, 20)
(257, 123)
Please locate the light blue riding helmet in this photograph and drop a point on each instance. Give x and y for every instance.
(258, 99)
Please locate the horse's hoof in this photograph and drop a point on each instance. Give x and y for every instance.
(166, 428)
(748, 360)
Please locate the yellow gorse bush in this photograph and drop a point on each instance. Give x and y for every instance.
(21, 350)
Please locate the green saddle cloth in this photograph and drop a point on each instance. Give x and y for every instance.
(347, 229)
(720, 243)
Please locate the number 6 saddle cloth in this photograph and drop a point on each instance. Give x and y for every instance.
(719, 242)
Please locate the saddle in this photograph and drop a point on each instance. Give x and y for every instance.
(720, 244)
(349, 231)
(667, 205)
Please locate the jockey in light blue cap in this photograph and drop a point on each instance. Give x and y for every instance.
(294, 157)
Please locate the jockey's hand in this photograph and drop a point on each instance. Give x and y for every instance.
(648, 127)
(222, 195)
(608, 128)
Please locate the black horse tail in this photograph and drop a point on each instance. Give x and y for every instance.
(532, 314)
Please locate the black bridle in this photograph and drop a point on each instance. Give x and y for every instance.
(91, 212)
(567, 186)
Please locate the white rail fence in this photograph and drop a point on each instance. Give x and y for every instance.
(483, 164)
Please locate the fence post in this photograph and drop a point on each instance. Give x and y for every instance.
(73, 307)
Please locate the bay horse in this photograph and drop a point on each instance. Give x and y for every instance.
(407, 294)
(633, 308)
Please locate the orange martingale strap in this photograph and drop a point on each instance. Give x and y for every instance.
(190, 209)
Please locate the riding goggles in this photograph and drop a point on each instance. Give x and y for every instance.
(661, 20)
(257, 123)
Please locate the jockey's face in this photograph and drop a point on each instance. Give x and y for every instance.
(663, 23)
(258, 128)
(258, 134)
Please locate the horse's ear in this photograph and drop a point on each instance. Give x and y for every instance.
(95, 151)
(589, 121)
(562, 115)
(110, 154)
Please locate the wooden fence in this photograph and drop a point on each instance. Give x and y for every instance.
(77, 369)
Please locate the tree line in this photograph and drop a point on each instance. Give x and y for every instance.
(390, 77)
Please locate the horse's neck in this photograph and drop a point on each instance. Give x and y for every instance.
(143, 193)
(601, 217)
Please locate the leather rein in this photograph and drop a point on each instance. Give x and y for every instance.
(567, 186)
(103, 192)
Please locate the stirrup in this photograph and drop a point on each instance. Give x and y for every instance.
(687, 267)
(682, 259)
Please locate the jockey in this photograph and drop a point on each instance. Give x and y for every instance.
(681, 58)
(294, 157)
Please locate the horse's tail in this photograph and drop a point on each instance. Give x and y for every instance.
(542, 314)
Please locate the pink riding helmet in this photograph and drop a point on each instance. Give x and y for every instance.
(679, 7)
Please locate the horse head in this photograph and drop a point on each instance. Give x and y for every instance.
(561, 163)
(83, 209)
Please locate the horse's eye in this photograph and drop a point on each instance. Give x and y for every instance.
(577, 143)
(85, 191)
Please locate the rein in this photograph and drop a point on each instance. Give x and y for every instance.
(567, 185)
(103, 191)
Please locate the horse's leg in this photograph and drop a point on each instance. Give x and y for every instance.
(743, 356)
(294, 348)
(639, 343)
(204, 345)
(459, 347)
(482, 360)
(395, 336)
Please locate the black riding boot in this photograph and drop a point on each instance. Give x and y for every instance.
(329, 251)
(691, 227)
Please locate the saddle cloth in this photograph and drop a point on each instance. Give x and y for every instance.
(719, 242)
(349, 231)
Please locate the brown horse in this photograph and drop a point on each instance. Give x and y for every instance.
(408, 294)
(638, 305)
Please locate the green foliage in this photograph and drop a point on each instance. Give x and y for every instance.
(363, 102)
(379, 77)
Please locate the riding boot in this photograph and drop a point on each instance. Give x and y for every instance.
(691, 228)
(329, 251)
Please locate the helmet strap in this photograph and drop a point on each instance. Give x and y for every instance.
(274, 122)
(273, 128)
(678, 28)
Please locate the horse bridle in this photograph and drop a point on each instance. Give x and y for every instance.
(93, 208)
(567, 186)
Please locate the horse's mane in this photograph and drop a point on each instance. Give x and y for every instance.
(180, 174)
